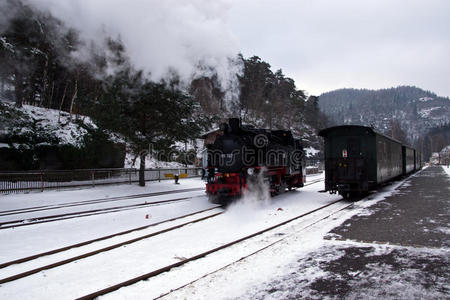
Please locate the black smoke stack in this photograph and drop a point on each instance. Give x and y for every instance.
(235, 125)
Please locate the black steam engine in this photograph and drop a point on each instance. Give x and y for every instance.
(244, 154)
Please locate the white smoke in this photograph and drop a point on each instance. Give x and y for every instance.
(256, 196)
(188, 37)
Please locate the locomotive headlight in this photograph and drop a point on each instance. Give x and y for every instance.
(250, 171)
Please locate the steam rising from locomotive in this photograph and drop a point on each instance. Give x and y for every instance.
(243, 153)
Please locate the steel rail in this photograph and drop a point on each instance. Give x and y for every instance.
(93, 201)
(251, 254)
(196, 257)
(32, 257)
(87, 213)
(111, 247)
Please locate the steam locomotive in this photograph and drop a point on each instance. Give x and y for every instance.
(245, 154)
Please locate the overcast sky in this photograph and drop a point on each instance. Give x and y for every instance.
(322, 44)
(329, 44)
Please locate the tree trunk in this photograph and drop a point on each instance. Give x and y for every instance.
(50, 100)
(73, 99)
(2, 85)
(18, 88)
(142, 169)
(44, 84)
(62, 101)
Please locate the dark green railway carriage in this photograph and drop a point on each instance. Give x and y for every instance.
(357, 159)
(408, 159)
(417, 160)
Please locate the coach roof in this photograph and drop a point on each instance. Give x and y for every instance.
(325, 132)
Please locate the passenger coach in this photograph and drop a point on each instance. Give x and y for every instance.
(357, 159)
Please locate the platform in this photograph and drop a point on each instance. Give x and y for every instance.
(418, 215)
(397, 248)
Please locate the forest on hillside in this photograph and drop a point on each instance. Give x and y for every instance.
(47, 64)
(414, 116)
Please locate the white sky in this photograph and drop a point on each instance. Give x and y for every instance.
(329, 44)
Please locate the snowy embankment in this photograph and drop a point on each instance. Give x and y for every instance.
(55, 125)
(50, 127)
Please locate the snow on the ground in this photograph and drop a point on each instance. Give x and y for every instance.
(134, 161)
(27, 240)
(87, 275)
(235, 281)
(260, 276)
(68, 132)
(245, 278)
(90, 274)
(49, 197)
(372, 274)
(446, 169)
(425, 113)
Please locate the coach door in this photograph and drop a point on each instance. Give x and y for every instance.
(350, 164)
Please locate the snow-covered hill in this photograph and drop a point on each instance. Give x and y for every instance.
(416, 110)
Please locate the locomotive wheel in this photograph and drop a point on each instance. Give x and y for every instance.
(214, 199)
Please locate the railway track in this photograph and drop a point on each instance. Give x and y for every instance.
(103, 200)
(84, 213)
(93, 201)
(47, 261)
(204, 254)
(103, 249)
(253, 253)
(313, 182)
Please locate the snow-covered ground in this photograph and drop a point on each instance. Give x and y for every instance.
(49, 197)
(230, 276)
(244, 279)
(446, 169)
(240, 220)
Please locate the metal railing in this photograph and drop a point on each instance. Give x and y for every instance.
(11, 182)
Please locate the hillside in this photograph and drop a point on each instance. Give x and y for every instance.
(417, 111)
(45, 80)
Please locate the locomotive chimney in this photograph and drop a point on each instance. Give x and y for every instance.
(235, 125)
